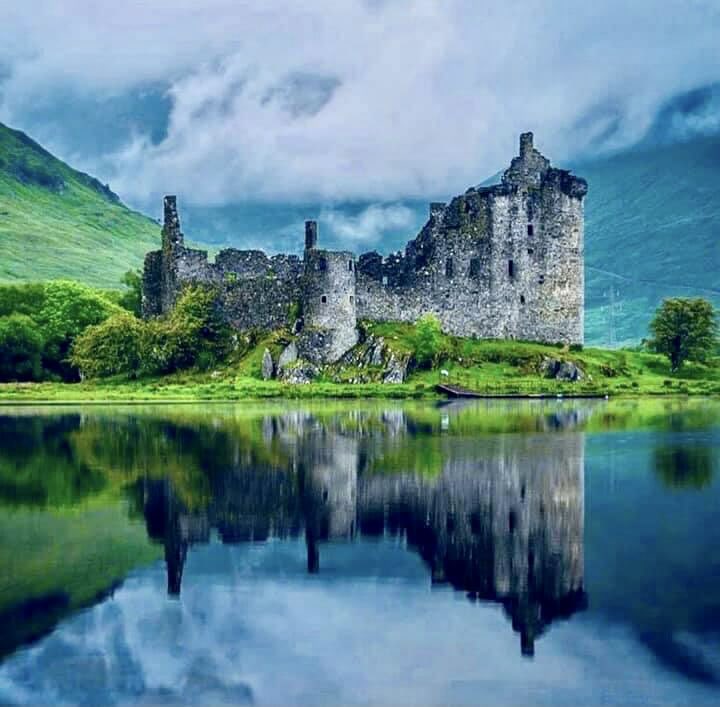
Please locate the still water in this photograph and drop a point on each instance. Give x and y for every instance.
(490, 553)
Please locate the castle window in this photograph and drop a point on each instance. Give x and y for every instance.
(530, 229)
(322, 264)
(530, 251)
(474, 267)
(352, 300)
(449, 267)
(350, 265)
(541, 279)
(384, 280)
(522, 299)
(323, 299)
(511, 268)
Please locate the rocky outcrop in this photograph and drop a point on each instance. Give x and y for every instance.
(561, 370)
(267, 368)
(289, 355)
(299, 373)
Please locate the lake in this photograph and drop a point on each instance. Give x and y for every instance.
(492, 552)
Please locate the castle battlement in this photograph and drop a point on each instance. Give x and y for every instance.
(504, 261)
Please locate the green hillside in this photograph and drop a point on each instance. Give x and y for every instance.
(652, 231)
(56, 222)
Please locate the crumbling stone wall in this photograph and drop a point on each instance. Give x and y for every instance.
(503, 262)
(499, 262)
(255, 291)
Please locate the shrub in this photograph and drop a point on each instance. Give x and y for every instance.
(131, 298)
(109, 348)
(428, 341)
(21, 345)
(68, 309)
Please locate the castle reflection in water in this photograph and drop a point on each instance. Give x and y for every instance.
(500, 519)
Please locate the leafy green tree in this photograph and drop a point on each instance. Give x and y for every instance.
(68, 309)
(21, 346)
(684, 329)
(195, 330)
(131, 298)
(428, 340)
(109, 348)
(26, 298)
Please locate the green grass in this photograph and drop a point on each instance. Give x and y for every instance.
(56, 222)
(487, 366)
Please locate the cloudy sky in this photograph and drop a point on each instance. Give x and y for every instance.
(330, 102)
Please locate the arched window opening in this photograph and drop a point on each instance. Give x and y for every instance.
(350, 265)
(530, 229)
(511, 268)
(323, 299)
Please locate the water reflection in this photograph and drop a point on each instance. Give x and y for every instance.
(490, 498)
(501, 521)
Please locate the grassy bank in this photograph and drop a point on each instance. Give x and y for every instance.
(490, 367)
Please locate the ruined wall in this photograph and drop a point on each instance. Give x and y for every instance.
(499, 262)
(502, 262)
(255, 291)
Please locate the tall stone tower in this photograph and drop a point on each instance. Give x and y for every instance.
(328, 301)
(537, 227)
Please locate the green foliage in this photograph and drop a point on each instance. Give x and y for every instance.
(131, 297)
(684, 329)
(193, 335)
(428, 341)
(68, 309)
(27, 299)
(21, 346)
(113, 347)
(294, 312)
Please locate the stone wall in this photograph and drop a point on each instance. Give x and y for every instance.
(498, 262)
(502, 262)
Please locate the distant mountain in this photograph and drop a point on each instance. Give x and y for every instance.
(56, 222)
(652, 230)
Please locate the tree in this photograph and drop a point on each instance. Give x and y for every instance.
(109, 348)
(68, 309)
(21, 345)
(684, 329)
(131, 298)
(428, 340)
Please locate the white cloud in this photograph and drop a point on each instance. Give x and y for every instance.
(370, 225)
(356, 99)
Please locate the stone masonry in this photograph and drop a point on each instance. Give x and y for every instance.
(503, 262)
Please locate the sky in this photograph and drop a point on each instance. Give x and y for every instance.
(376, 103)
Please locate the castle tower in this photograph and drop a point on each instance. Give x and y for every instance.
(171, 234)
(537, 273)
(329, 301)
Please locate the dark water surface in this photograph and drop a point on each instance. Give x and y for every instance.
(492, 553)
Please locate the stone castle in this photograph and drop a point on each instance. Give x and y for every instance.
(503, 262)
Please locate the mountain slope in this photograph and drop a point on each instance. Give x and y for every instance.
(652, 230)
(56, 222)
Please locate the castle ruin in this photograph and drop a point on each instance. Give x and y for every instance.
(502, 262)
